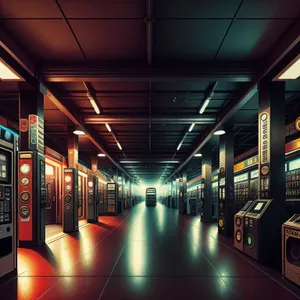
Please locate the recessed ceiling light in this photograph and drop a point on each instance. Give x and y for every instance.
(7, 73)
(219, 132)
(292, 71)
(108, 127)
(101, 155)
(191, 127)
(198, 155)
(79, 132)
(119, 145)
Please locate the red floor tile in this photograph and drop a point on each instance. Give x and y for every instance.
(74, 288)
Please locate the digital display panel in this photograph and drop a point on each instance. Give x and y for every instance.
(3, 168)
(258, 206)
(246, 206)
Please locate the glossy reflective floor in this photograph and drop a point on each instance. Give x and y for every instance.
(145, 253)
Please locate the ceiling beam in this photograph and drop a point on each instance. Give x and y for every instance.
(237, 72)
(69, 109)
(155, 119)
(286, 46)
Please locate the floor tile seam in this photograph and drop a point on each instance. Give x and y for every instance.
(52, 285)
(252, 264)
(101, 241)
(257, 267)
(232, 291)
(112, 270)
(64, 235)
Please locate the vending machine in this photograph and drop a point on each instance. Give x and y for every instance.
(8, 187)
(92, 199)
(32, 199)
(70, 200)
(239, 226)
(262, 239)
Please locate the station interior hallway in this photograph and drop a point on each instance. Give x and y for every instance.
(144, 253)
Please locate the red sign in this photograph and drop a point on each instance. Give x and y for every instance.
(23, 125)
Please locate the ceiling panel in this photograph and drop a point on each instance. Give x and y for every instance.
(252, 39)
(195, 9)
(29, 9)
(111, 40)
(103, 8)
(41, 39)
(189, 40)
(269, 9)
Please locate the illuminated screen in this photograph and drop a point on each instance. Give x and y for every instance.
(3, 167)
(258, 206)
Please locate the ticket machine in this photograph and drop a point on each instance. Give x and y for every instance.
(291, 249)
(31, 199)
(93, 199)
(262, 239)
(8, 225)
(239, 226)
(70, 200)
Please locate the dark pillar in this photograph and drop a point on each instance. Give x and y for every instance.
(226, 191)
(206, 206)
(31, 200)
(184, 182)
(93, 192)
(263, 223)
(271, 143)
(70, 190)
(177, 185)
(72, 148)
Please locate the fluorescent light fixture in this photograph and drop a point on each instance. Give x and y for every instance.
(179, 146)
(119, 145)
(198, 155)
(101, 155)
(191, 127)
(79, 132)
(219, 132)
(204, 105)
(6, 73)
(108, 127)
(95, 106)
(292, 71)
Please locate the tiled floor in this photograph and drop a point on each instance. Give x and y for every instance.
(145, 253)
(54, 231)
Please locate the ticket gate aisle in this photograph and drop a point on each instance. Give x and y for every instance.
(239, 226)
(263, 231)
(291, 249)
(8, 191)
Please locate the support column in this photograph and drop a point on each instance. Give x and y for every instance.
(206, 214)
(271, 143)
(263, 222)
(70, 189)
(31, 190)
(93, 192)
(177, 186)
(226, 188)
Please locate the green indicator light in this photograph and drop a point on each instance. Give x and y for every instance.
(249, 240)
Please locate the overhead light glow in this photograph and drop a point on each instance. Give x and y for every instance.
(191, 127)
(6, 73)
(79, 132)
(119, 145)
(204, 105)
(219, 132)
(198, 155)
(179, 146)
(292, 72)
(108, 127)
(101, 155)
(95, 106)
